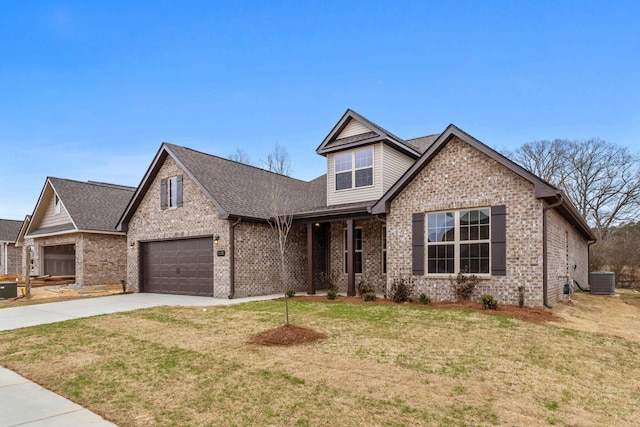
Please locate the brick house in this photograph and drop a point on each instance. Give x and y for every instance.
(72, 232)
(10, 255)
(423, 208)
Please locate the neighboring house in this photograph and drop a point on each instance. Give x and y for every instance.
(421, 209)
(72, 232)
(10, 255)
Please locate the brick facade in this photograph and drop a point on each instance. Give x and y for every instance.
(460, 177)
(13, 258)
(197, 217)
(371, 255)
(100, 258)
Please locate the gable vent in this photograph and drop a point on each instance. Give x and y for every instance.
(354, 127)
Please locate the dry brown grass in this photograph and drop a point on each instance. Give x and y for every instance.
(46, 294)
(379, 365)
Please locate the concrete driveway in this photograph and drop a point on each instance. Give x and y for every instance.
(39, 314)
(24, 403)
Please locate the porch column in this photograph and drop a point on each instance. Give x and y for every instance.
(311, 289)
(351, 271)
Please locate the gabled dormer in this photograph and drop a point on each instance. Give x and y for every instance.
(363, 160)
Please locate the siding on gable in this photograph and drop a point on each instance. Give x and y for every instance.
(50, 218)
(354, 127)
(352, 195)
(394, 164)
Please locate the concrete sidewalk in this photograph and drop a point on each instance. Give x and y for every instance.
(24, 403)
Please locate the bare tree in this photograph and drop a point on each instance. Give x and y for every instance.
(546, 159)
(240, 156)
(280, 219)
(601, 178)
(278, 161)
(604, 182)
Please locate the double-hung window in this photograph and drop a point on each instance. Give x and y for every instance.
(384, 249)
(357, 245)
(354, 169)
(458, 241)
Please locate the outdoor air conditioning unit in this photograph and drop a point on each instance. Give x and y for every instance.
(602, 282)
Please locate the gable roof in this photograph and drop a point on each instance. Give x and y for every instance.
(91, 206)
(368, 133)
(236, 189)
(543, 190)
(9, 230)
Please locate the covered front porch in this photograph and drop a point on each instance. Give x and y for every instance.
(344, 251)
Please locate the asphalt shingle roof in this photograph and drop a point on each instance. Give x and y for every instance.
(93, 205)
(9, 230)
(243, 190)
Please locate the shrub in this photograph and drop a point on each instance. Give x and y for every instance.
(401, 289)
(424, 299)
(290, 292)
(369, 296)
(463, 286)
(331, 294)
(488, 302)
(363, 287)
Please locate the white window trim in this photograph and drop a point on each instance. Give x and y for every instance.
(456, 242)
(354, 169)
(170, 204)
(345, 254)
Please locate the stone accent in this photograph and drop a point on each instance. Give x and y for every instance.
(197, 217)
(459, 177)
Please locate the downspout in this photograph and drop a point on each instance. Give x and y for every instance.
(382, 220)
(232, 258)
(591, 242)
(544, 250)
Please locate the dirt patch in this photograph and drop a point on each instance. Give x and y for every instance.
(45, 294)
(604, 314)
(528, 314)
(287, 335)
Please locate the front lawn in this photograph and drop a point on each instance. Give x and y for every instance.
(379, 365)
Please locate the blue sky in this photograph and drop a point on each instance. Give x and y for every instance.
(90, 89)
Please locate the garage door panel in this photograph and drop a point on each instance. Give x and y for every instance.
(186, 267)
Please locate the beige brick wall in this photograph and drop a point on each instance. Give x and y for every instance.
(14, 259)
(14, 262)
(258, 269)
(566, 248)
(100, 258)
(197, 217)
(462, 177)
(371, 254)
(104, 259)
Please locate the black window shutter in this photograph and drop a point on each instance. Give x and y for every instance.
(499, 240)
(179, 190)
(417, 243)
(163, 193)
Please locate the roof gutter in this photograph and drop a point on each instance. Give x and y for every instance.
(545, 268)
(232, 258)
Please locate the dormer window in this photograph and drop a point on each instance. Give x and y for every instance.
(354, 167)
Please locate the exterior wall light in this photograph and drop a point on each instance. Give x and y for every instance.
(216, 239)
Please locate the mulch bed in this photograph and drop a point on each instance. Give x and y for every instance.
(528, 314)
(287, 335)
